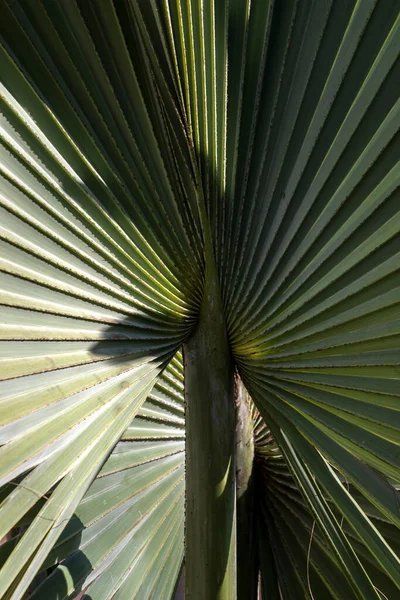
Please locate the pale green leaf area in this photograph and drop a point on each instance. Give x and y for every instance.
(199, 299)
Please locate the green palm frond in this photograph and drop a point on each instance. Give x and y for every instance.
(144, 146)
(131, 518)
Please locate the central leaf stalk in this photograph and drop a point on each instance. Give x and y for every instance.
(210, 554)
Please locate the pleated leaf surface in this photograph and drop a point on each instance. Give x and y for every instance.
(126, 129)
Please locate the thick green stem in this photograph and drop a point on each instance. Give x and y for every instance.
(210, 561)
(247, 556)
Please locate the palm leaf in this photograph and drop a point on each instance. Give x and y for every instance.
(139, 139)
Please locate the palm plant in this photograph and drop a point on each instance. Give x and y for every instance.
(200, 260)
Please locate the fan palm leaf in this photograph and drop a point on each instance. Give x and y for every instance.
(222, 177)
